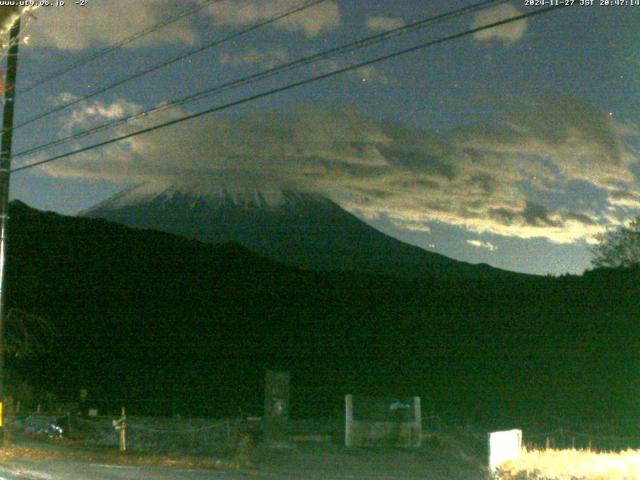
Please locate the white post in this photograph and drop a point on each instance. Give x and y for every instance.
(504, 446)
(348, 421)
(121, 427)
(123, 432)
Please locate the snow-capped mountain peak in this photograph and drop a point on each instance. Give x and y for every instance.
(280, 223)
(213, 195)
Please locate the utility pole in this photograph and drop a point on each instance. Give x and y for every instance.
(5, 169)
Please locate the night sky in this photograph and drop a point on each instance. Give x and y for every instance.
(514, 146)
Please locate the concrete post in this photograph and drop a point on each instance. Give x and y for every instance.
(276, 410)
(348, 421)
(417, 417)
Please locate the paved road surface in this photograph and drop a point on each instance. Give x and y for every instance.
(305, 462)
(72, 470)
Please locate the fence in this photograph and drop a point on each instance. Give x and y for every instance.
(382, 421)
(194, 435)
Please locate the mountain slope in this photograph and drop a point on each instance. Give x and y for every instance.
(300, 229)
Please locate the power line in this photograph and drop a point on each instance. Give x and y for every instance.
(342, 49)
(294, 85)
(143, 33)
(172, 60)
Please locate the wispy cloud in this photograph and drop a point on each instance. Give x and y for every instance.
(69, 28)
(479, 178)
(508, 33)
(77, 28)
(382, 23)
(322, 17)
(267, 58)
(480, 244)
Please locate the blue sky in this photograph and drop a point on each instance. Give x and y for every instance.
(512, 147)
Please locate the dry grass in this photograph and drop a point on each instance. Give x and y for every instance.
(156, 460)
(572, 465)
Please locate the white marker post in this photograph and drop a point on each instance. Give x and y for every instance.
(504, 446)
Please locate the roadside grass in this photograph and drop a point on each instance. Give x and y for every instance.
(67, 450)
(571, 464)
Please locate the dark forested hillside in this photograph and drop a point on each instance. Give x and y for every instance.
(166, 325)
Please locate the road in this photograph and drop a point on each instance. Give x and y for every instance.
(74, 470)
(308, 462)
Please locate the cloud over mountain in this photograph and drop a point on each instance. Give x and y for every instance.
(481, 178)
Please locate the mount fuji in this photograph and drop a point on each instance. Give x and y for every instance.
(306, 230)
